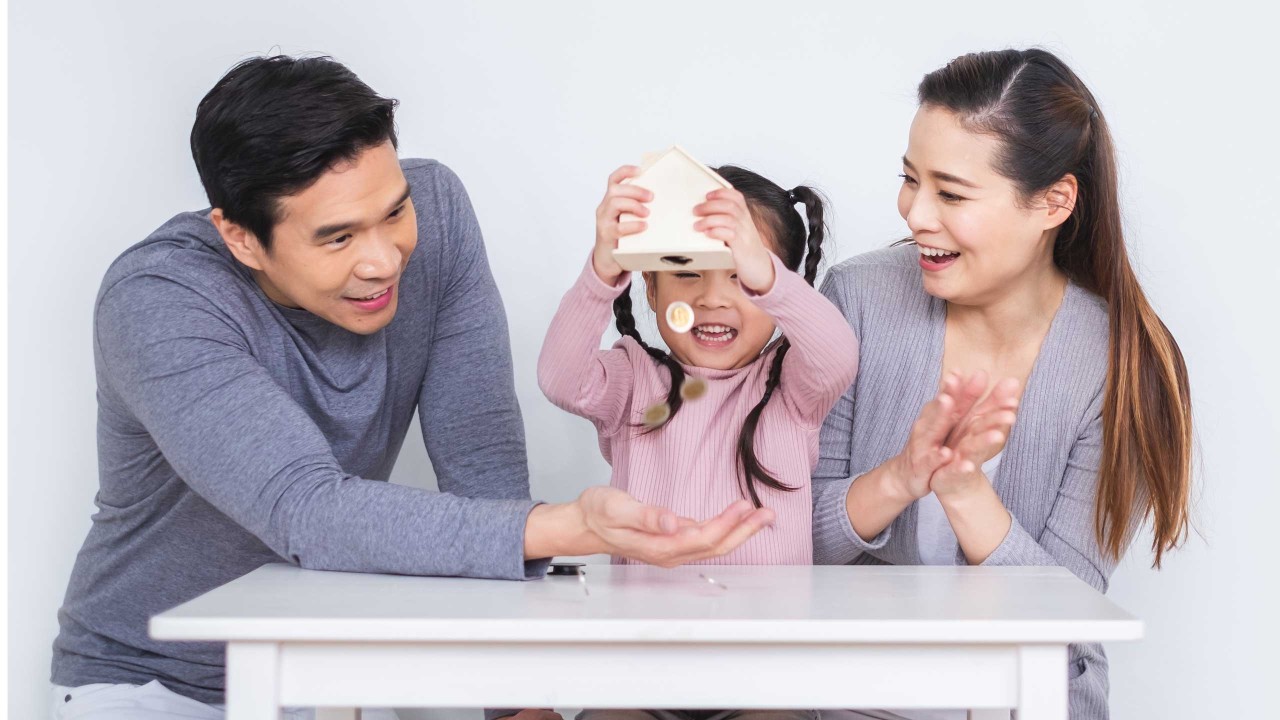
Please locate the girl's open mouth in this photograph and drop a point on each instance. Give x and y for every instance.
(710, 335)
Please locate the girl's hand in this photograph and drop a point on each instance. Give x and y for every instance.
(618, 199)
(725, 217)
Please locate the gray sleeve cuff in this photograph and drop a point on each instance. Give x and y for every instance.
(1018, 548)
(834, 540)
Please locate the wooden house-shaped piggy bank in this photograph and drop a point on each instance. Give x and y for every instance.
(669, 242)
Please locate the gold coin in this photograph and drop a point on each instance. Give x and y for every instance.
(693, 388)
(680, 316)
(656, 415)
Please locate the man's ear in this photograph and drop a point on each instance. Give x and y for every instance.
(651, 289)
(1060, 201)
(242, 243)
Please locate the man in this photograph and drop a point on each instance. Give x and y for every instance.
(258, 365)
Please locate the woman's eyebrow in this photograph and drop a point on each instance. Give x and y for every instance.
(939, 175)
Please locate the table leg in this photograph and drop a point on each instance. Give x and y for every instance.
(1042, 682)
(253, 679)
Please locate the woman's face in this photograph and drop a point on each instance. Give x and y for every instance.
(976, 239)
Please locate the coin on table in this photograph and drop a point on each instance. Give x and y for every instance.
(680, 316)
(693, 388)
(656, 415)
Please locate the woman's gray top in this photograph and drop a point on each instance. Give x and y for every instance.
(1048, 472)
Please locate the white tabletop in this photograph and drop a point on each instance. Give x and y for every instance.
(751, 604)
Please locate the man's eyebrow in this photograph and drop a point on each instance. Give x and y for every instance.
(945, 177)
(325, 231)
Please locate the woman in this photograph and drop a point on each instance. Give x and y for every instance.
(1016, 269)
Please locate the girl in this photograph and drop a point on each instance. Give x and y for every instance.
(1017, 266)
(753, 431)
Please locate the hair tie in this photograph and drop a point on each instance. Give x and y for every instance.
(1093, 114)
(791, 196)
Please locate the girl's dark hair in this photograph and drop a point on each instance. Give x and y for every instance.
(773, 208)
(273, 125)
(1049, 125)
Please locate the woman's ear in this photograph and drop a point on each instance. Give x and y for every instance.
(651, 289)
(1060, 201)
(242, 243)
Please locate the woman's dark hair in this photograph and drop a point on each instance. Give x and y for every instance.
(273, 125)
(1049, 125)
(774, 209)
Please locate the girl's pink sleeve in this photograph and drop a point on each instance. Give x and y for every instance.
(573, 372)
(823, 359)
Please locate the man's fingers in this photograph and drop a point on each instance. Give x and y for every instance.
(703, 538)
(658, 520)
(719, 535)
(750, 525)
(626, 513)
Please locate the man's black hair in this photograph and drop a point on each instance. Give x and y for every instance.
(273, 125)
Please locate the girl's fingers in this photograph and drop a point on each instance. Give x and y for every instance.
(723, 234)
(710, 221)
(717, 207)
(729, 195)
(622, 173)
(617, 206)
(635, 192)
(631, 227)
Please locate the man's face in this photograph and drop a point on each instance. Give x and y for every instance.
(340, 246)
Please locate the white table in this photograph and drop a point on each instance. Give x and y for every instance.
(766, 637)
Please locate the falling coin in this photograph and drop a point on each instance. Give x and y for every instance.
(680, 316)
(693, 388)
(656, 415)
(713, 581)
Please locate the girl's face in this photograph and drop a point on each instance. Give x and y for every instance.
(729, 331)
(976, 239)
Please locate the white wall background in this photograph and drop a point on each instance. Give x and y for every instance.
(533, 104)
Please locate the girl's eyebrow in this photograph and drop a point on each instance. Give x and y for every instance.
(939, 175)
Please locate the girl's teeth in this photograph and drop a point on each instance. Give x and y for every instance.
(714, 333)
